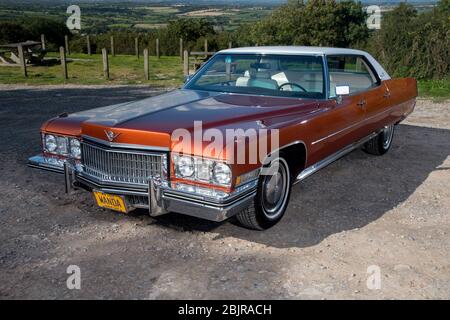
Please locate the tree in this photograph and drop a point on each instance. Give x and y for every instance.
(32, 28)
(190, 29)
(412, 44)
(11, 32)
(316, 22)
(54, 30)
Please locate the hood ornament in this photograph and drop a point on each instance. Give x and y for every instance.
(111, 135)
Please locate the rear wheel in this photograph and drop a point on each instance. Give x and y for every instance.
(270, 203)
(381, 143)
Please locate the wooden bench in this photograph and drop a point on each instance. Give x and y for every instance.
(32, 52)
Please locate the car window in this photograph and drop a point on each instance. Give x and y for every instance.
(274, 75)
(351, 71)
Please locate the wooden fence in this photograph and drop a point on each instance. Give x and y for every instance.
(191, 60)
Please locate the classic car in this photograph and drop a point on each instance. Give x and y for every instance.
(319, 104)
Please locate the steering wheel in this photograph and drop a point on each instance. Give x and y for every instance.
(291, 84)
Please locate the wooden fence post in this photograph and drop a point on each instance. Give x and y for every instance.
(136, 47)
(186, 63)
(206, 45)
(146, 65)
(23, 63)
(66, 43)
(230, 45)
(62, 54)
(113, 49)
(181, 49)
(105, 63)
(157, 48)
(88, 44)
(43, 41)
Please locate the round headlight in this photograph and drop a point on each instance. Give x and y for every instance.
(75, 149)
(50, 143)
(62, 143)
(222, 173)
(185, 166)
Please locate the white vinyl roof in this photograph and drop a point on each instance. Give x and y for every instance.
(293, 50)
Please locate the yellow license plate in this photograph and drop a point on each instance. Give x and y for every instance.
(110, 201)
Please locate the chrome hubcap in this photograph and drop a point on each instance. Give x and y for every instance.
(274, 191)
(273, 188)
(388, 133)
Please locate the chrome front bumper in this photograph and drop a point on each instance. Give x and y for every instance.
(161, 198)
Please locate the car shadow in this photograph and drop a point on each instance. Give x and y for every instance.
(348, 194)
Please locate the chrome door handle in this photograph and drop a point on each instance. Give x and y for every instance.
(361, 103)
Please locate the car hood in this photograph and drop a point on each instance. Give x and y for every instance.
(151, 121)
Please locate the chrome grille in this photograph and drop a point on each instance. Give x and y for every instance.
(120, 166)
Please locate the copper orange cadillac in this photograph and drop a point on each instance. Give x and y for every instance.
(232, 142)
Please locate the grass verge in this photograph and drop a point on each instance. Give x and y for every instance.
(85, 69)
(435, 89)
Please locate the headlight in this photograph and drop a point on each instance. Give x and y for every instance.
(50, 143)
(75, 148)
(62, 146)
(222, 173)
(184, 166)
(203, 170)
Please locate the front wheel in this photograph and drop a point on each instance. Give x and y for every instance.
(382, 142)
(272, 197)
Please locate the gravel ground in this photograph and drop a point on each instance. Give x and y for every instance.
(392, 212)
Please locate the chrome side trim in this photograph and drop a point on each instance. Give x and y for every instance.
(351, 126)
(335, 133)
(330, 159)
(125, 145)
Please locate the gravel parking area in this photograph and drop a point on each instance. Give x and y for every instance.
(391, 212)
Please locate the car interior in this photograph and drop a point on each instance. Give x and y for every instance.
(290, 76)
(269, 74)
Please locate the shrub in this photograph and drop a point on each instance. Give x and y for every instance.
(412, 44)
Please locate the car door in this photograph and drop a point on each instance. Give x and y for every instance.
(394, 98)
(346, 119)
(376, 98)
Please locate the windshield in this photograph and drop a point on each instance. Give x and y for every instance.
(275, 75)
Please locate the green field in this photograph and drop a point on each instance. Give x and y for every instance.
(85, 69)
(103, 17)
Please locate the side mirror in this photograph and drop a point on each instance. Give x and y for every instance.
(341, 91)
